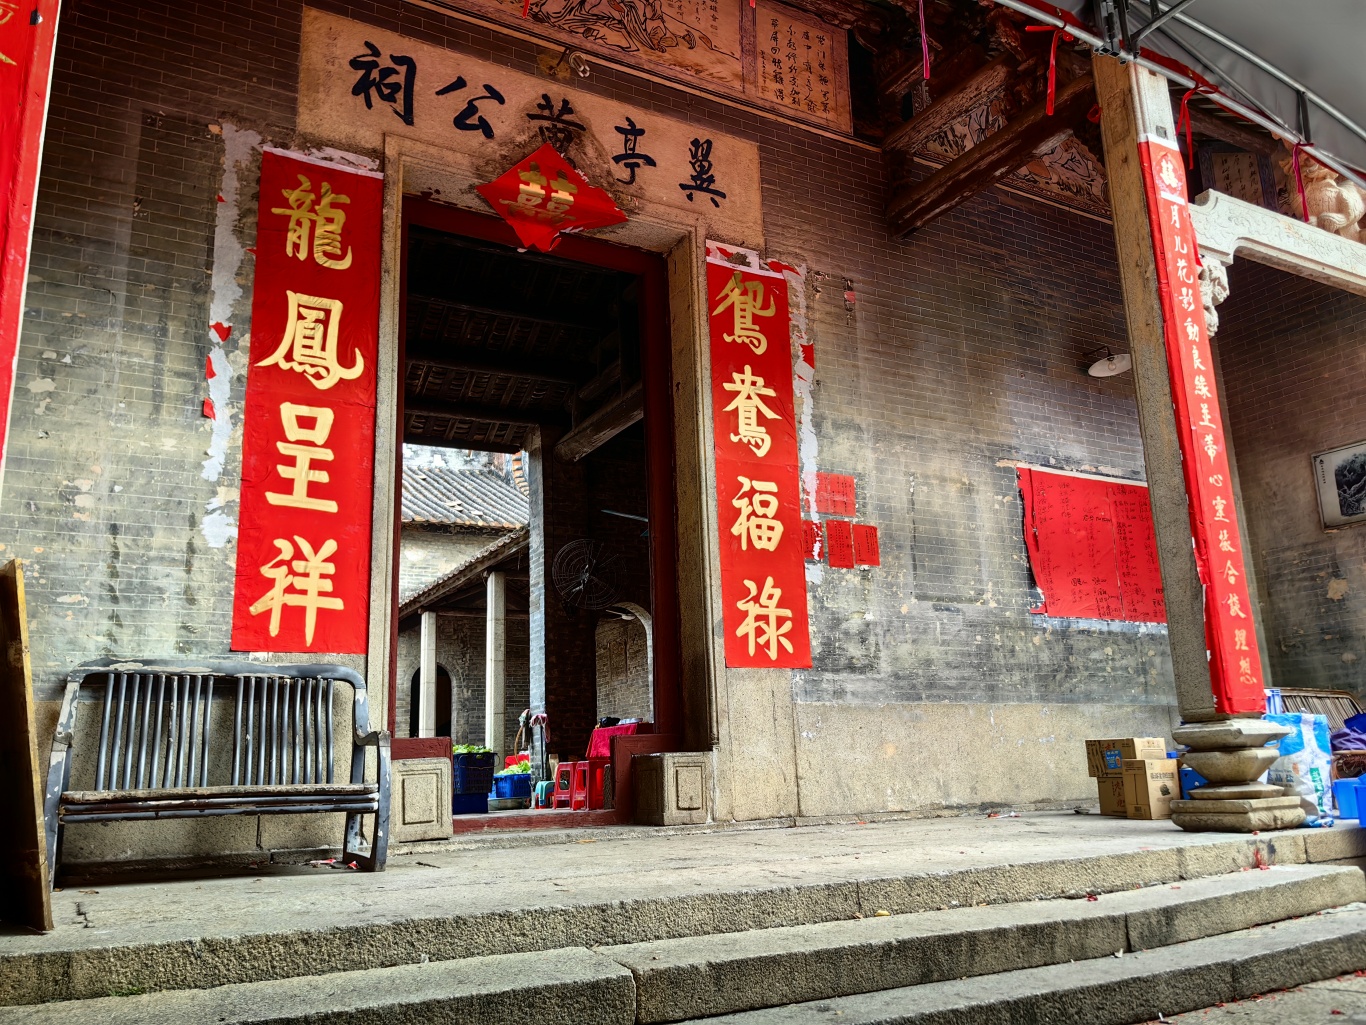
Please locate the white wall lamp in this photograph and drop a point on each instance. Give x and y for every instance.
(1110, 364)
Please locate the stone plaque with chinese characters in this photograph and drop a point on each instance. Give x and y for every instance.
(800, 65)
(701, 43)
(359, 84)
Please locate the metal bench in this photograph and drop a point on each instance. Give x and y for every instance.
(163, 748)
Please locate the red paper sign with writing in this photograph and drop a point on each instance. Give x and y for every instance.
(835, 494)
(758, 498)
(865, 545)
(1091, 547)
(1236, 674)
(839, 543)
(303, 548)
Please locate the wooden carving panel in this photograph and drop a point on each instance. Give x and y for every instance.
(800, 65)
(708, 44)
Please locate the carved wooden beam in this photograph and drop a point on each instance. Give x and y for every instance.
(1031, 134)
(959, 102)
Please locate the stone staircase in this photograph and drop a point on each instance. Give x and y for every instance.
(1150, 935)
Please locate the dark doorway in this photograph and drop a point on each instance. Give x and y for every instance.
(442, 702)
(560, 361)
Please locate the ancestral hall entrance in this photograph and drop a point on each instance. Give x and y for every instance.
(558, 366)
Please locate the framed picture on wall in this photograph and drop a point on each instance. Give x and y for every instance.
(1340, 476)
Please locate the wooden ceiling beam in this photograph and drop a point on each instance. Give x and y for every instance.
(534, 368)
(1232, 132)
(1031, 134)
(602, 425)
(974, 91)
(425, 406)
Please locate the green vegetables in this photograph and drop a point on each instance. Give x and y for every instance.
(522, 768)
(470, 749)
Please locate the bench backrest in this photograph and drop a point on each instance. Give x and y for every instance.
(156, 722)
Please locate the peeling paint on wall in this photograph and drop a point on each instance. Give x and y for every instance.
(238, 147)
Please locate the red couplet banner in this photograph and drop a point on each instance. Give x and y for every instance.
(1091, 547)
(303, 548)
(758, 497)
(1236, 674)
(27, 36)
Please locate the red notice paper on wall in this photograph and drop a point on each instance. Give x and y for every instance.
(865, 545)
(763, 574)
(1091, 547)
(835, 494)
(303, 548)
(813, 541)
(839, 539)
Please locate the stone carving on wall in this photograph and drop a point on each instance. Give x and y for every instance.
(1225, 226)
(1334, 203)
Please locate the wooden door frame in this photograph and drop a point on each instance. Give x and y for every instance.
(656, 347)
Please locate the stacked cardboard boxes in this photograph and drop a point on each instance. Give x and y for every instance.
(1105, 764)
(1150, 786)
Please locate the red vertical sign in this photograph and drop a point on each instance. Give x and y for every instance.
(303, 548)
(758, 497)
(1234, 661)
(28, 33)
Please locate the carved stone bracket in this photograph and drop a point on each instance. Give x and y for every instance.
(1226, 227)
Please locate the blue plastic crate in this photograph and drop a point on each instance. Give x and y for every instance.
(513, 785)
(472, 773)
(469, 804)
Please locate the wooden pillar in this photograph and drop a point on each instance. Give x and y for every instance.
(426, 701)
(495, 662)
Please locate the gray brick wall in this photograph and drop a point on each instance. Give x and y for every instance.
(1295, 376)
(963, 352)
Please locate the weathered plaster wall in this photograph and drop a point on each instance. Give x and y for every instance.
(1294, 368)
(959, 353)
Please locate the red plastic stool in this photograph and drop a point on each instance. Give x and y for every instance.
(578, 790)
(564, 785)
(598, 768)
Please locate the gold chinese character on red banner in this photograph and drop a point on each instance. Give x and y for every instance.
(746, 299)
(302, 472)
(765, 624)
(748, 404)
(298, 583)
(310, 344)
(758, 505)
(320, 218)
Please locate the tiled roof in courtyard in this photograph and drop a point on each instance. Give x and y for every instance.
(465, 497)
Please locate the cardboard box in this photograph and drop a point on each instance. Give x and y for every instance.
(1111, 792)
(1150, 786)
(1106, 757)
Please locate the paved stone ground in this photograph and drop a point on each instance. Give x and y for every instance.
(492, 873)
(1334, 1002)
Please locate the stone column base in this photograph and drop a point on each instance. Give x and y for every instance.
(1231, 755)
(1231, 816)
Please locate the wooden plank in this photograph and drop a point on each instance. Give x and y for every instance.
(1031, 134)
(602, 426)
(958, 102)
(24, 896)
